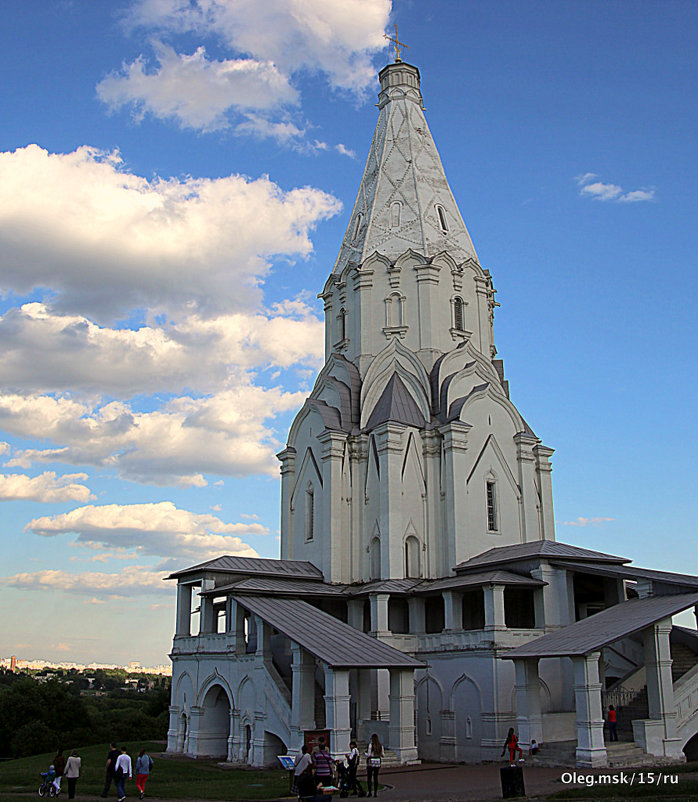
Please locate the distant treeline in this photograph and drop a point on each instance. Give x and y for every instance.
(41, 716)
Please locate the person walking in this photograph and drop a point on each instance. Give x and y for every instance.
(144, 765)
(72, 772)
(512, 744)
(59, 768)
(122, 771)
(110, 769)
(353, 758)
(324, 764)
(612, 723)
(301, 764)
(374, 756)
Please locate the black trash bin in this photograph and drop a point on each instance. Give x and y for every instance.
(512, 782)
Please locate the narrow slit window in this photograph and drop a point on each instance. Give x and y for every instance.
(491, 507)
(458, 322)
(342, 324)
(357, 225)
(442, 218)
(395, 210)
(309, 514)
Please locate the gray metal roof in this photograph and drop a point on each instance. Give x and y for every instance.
(548, 549)
(477, 580)
(254, 565)
(593, 633)
(330, 640)
(287, 586)
(630, 572)
(396, 404)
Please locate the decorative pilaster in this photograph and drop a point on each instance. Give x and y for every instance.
(453, 548)
(183, 609)
(173, 729)
(591, 749)
(544, 472)
(526, 464)
(335, 550)
(389, 444)
(208, 617)
(379, 613)
(287, 457)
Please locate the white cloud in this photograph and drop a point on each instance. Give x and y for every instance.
(195, 90)
(586, 521)
(130, 581)
(345, 151)
(108, 241)
(159, 447)
(336, 37)
(46, 487)
(160, 530)
(45, 351)
(598, 190)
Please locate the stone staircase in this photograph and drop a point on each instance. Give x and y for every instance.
(638, 708)
(627, 754)
(555, 755)
(684, 658)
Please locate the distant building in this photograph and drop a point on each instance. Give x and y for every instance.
(419, 569)
(13, 663)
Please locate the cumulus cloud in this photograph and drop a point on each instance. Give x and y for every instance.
(107, 241)
(159, 447)
(130, 581)
(47, 487)
(46, 351)
(195, 90)
(590, 187)
(335, 37)
(586, 521)
(269, 43)
(159, 530)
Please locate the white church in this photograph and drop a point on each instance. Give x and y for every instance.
(421, 593)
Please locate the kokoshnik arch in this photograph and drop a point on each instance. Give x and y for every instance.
(419, 566)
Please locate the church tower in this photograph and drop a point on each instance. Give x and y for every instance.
(408, 456)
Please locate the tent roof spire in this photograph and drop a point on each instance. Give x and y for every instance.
(404, 200)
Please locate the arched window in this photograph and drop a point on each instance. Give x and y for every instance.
(394, 310)
(375, 558)
(412, 561)
(309, 513)
(441, 212)
(342, 325)
(458, 317)
(357, 226)
(491, 506)
(395, 211)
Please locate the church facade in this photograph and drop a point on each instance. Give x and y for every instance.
(421, 593)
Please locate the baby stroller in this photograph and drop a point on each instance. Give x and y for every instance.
(344, 784)
(47, 788)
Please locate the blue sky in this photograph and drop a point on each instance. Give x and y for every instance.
(175, 179)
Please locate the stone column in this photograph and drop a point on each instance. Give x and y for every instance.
(416, 609)
(302, 695)
(363, 704)
(337, 713)
(379, 613)
(591, 749)
(208, 618)
(236, 736)
(183, 609)
(453, 610)
(362, 277)
(355, 614)
(529, 720)
(235, 626)
(192, 741)
(428, 301)
(401, 731)
(552, 602)
(494, 608)
(658, 735)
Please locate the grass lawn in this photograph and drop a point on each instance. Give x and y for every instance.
(171, 778)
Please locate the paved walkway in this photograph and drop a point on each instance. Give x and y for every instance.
(438, 782)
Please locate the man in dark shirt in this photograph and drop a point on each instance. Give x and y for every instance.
(111, 766)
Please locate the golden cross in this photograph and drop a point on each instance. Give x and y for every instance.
(397, 44)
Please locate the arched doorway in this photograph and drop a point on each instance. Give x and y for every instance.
(248, 743)
(214, 724)
(183, 733)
